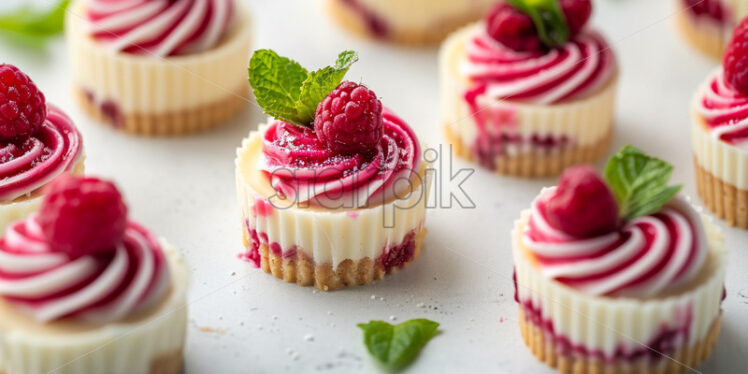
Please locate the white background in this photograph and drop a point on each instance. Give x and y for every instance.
(245, 321)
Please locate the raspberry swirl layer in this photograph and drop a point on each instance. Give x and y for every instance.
(648, 256)
(159, 27)
(27, 165)
(302, 169)
(577, 70)
(724, 110)
(103, 287)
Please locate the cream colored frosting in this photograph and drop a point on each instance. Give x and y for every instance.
(139, 84)
(129, 346)
(327, 236)
(723, 160)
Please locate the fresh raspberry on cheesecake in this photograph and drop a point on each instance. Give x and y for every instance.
(83, 215)
(349, 119)
(23, 107)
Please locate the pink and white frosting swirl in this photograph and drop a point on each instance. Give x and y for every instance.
(724, 110)
(577, 70)
(100, 288)
(648, 256)
(303, 169)
(159, 27)
(27, 165)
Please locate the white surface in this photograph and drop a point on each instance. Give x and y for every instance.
(184, 190)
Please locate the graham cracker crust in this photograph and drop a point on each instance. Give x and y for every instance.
(177, 123)
(710, 41)
(723, 199)
(167, 363)
(684, 359)
(302, 270)
(537, 163)
(353, 22)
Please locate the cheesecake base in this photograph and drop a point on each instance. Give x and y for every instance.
(174, 123)
(302, 270)
(545, 350)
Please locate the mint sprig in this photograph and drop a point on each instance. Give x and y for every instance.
(639, 182)
(549, 20)
(29, 22)
(395, 347)
(287, 91)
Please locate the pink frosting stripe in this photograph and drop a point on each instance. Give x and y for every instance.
(159, 27)
(647, 256)
(724, 110)
(577, 70)
(102, 287)
(302, 169)
(31, 164)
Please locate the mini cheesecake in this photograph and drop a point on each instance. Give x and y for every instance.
(345, 230)
(518, 107)
(85, 290)
(414, 22)
(36, 147)
(603, 292)
(708, 24)
(336, 203)
(189, 77)
(719, 135)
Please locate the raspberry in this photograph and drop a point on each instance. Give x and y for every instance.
(736, 59)
(23, 108)
(582, 205)
(577, 13)
(349, 119)
(81, 216)
(512, 28)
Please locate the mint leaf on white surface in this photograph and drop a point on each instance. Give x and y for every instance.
(27, 21)
(287, 91)
(321, 82)
(639, 182)
(395, 347)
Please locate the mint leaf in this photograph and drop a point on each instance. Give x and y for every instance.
(346, 59)
(27, 21)
(548, 18)
(276, 82)
(320, 83)
(285, 90)
(639, 182)
(396, 346)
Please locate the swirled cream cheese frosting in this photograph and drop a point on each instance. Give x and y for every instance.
(159, 27)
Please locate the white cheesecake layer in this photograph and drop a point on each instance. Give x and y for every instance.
(129, 346)
(583, 122)
(606, 323)
(325, 235)
(141, 84)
